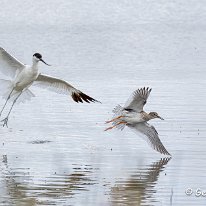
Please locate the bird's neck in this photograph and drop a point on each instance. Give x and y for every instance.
(35, 66)
(145, 116)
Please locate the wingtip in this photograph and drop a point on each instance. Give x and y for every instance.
(81, 97)
(144, 91)
(98, 101)
(165, 152)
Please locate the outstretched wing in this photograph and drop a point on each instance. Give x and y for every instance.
(9, 65)
(151, 136)
(61, 86)
(138, 99)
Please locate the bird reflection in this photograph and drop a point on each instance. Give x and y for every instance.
(139, 187)
(19, 187)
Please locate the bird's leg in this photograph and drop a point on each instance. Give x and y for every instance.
(112, 120)
(5, 120)
(115, 125)
(6, 101)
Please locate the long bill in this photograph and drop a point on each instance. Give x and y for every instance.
(45, 62)
(160, 118)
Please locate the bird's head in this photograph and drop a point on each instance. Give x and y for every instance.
(154, 115)
(38, 57)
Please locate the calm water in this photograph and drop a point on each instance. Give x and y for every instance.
(55, 152)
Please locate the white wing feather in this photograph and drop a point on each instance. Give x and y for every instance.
(63, 87)
(150, 135)
(54, 84)
(138, 99)
(9, 65)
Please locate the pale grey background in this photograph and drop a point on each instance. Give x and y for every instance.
(107, 49)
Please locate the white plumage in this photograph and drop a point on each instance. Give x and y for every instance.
(23, 76)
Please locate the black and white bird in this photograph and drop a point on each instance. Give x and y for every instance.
(133, 116)
(23, 76)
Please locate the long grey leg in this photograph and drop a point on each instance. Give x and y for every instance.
(5, 120)
(6, 101)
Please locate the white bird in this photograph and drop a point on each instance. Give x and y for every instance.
(23, 76)
(133, 116)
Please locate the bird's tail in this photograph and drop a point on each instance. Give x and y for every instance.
(6, 87)
(117, 112)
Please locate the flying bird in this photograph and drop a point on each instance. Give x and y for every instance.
(23, 76)
(133, 116)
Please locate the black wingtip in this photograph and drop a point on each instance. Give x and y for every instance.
(169, 154)
(81, 97)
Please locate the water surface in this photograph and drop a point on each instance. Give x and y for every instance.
(55, 152)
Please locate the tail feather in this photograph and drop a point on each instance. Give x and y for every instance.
(25, 96)
(6, 88)
(117, 112)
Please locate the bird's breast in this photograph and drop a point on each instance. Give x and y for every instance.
(133, 118)
(25, 78)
